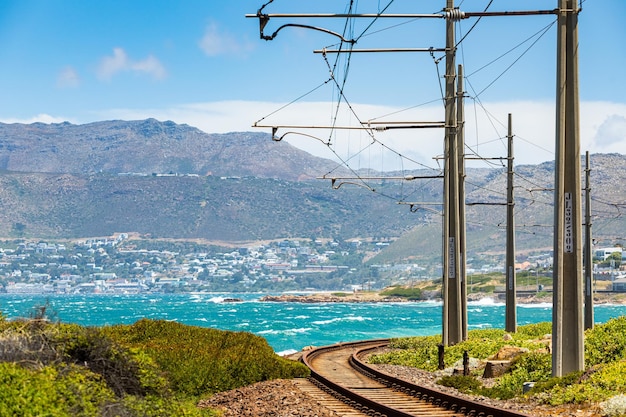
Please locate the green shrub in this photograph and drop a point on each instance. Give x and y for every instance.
(120, 369)
(596, 384)
(199, 361)
(155, 406)
(534, 331)
(53, 369)
(419, 352)
(467, 384)
(606, 342)
(605, 353)
(50, 392)
(408, 293)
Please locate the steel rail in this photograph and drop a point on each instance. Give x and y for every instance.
(439, 398)
(372, 407)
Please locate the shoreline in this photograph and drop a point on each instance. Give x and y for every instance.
(600, 298)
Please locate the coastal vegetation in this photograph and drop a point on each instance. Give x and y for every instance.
(150, 368)
(412, 294)
(601, 383)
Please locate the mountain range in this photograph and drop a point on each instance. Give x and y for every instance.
(167, 180)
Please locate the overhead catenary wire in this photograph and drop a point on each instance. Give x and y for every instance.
(339, 83)
(547, 28)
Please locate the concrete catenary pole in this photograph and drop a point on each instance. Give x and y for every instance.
(511, 285)
(460, 124)
(567, 312)
(588, 256)
(452, 316)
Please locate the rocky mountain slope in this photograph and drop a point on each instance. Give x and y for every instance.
(149, 146)
(166, 180)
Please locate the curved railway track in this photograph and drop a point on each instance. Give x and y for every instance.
(339, 370)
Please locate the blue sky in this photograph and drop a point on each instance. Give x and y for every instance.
(202, 63)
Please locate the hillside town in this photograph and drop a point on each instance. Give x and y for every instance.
(117, 265)
(122, 265)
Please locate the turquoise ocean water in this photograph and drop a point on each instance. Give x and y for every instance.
(286, 326)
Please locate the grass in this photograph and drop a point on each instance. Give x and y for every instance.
(602, 382)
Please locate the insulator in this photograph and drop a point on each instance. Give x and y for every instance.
(455, 14)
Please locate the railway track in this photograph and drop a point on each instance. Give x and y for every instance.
(339, 370)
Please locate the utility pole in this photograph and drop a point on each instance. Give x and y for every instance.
(567, 311)
(460, 123)
(567, 198)
(588, 256)
(452, 305)
(511, 285)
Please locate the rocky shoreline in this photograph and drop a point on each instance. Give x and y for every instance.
(332, 298)
(373, 297)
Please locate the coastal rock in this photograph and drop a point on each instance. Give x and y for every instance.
(506, 353)
(331, 298)
(494, 369)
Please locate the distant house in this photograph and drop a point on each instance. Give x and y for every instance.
(619, 285)
(604, 253)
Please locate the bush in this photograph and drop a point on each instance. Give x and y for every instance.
(124, 372)
(606, 343)
(467, 384)
(605, 352)
(419, 352)
(534, 331)
(408, 293)
(51, 392)
(200, 361)
(49, 369)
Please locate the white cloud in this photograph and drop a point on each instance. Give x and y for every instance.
(40, 118)
(611, 132)
(111, 65)
(151, 66)
(120, 62)
(533, 127)
(68, 78)
(533, 124)
(214, 42)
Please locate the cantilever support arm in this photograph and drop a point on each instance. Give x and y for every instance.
(265, 18)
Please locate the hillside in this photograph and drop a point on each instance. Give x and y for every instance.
(166, 180)
(226, 209)
(149, 146)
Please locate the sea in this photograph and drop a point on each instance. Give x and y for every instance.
(287, 326)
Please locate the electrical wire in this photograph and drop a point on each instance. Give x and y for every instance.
(292, 101)
(374, 20)
(342, 99)
(542, 33)
(473, 26)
